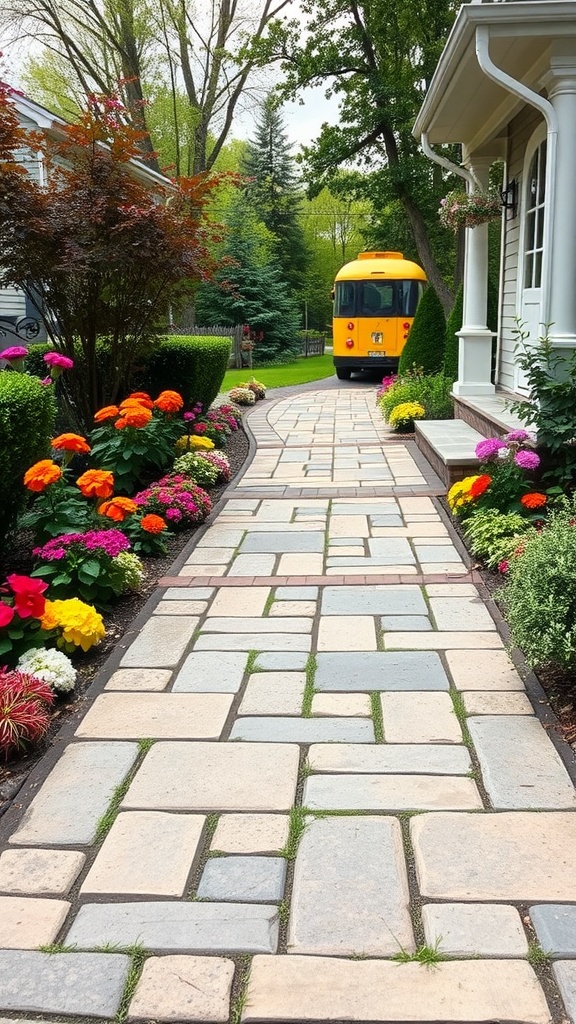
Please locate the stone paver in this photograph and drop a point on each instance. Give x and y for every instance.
(482, 860)
(556, 929)
(254, 641)
(436, 641)
(207, 672)
(420, 718)
(458, 613)
(273, 693)
(243, 879)
(487, 670)
(139, 678)
(347, 704)
(565, 974)
(469, 930)
(350, 891)
(39, 872)
(390, 793)
(520, 766)
(189, 927)
(336, 633)
(156, 715)
(86, 984)
(239, 601)
(146, 852)
(227, 777)
(75, 795)
(161, 642)
(375, 670)
(184, 988)
(302, 988)
(251, 833)
(303, 730)
(409, 759)
(496, 702)
(28, 922)
(376, 600)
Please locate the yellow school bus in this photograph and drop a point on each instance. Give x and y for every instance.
(375, 299)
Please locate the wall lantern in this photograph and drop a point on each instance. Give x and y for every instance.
(509, 196)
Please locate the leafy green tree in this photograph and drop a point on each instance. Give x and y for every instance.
(274, 192)
(378, 59)
(251, 290)
(426, 341)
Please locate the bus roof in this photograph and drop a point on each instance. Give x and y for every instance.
(380, 264)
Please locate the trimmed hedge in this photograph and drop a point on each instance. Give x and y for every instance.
(193, 366)
(27, 415)
(426, 341)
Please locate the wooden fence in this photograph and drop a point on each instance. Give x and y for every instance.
(313, 345)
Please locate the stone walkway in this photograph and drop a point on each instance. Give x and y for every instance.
(312, 768)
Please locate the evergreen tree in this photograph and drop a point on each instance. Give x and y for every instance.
(252, 290)
(274, 193)
(453, 324)
(427, 338)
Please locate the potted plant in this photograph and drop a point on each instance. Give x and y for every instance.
(462, 209)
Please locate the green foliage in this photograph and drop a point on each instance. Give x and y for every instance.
(88, 570)
(60, 509)
(27, 414)
(551, 410)
(540, 597)
(427, 338)
(453, 324)
(281, 375)
(131, 454)
(431, 391)
(194, 367)
(487, 528)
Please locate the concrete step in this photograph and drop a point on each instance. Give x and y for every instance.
(449, 447)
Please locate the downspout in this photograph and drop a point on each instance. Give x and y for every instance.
(447, 164)
(502, 78)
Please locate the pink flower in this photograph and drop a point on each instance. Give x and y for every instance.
(57, 359)
(46, 381)
(503, 566)
(15, 352)
(189, 417)
(526, 460)
(488, 449)
(517, 435)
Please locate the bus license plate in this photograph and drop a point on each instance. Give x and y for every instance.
(380, 353)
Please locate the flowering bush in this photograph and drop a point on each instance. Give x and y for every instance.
(221, 462)
(402, 416)
(177, 499)
(22, 607)
(84, 564)
(200, 470)
(130, 572)
(505, 464)
(78, 624)
(137, 436)
(58, 507)
(15, 356)
(258, 389)
(52, 667)
(24, 715)
(462, 209)
(431, 390)
(242, 396)
(193, 442)
(493, 535)
(386, 384)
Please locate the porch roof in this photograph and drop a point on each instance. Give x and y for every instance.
(463, 105)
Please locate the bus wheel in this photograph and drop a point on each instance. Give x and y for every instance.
(343, 373)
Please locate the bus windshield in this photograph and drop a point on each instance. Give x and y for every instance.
(377, 298)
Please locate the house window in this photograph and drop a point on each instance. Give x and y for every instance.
(534, 229)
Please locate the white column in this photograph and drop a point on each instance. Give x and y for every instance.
(475, 348)
(560, 304)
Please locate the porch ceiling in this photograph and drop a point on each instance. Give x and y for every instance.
(463, 105)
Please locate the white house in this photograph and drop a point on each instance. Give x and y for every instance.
(505, 89)
(19, 317)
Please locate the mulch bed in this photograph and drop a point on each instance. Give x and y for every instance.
(18, 559)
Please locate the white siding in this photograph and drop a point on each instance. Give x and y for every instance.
(519, 132)
(12, 301)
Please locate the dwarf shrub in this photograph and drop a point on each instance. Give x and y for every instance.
(431, 391)
(27, 414)
(427, 338)
(194, 367)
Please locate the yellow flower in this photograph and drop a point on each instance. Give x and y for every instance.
(186, 443)
(80, 623)
(406, 412)
(460, 494)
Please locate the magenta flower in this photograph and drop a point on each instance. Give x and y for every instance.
(527, 460)
(15, 352)
(46, 381)
(517, 435)
(488, 449)
(503, 566)
(57, 359)
(189, 417)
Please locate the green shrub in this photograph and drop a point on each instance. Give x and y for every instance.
(453, 324)
(427, 338)
(431, 391)
(194, 367)
(487, 528)
(27, 414)
(540, 597)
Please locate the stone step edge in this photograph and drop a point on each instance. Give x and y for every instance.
(463, 434)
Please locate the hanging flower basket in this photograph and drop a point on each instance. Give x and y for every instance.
(459, 209)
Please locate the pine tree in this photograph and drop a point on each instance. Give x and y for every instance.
(273, 191)
(427, 338)
(254, 292)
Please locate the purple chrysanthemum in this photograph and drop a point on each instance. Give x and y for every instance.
(488, 449)
(517, 435)
(526, 460)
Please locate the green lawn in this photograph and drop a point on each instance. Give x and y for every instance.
(298, 372)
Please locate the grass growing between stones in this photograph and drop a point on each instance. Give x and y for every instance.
(284, 912)
(269, 602)
(377, 719)
(57, 947)
(251, 662)
(137, 958)
(460, 712)
(296, 827)
(536, 955)
(311, 665)
(428, 956)
(241, 989)
(104, 824)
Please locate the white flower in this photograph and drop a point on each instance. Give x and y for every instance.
(53, 667)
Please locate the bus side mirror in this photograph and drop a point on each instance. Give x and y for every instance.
(332, 293)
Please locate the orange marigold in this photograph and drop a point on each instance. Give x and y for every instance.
(135, 416)
(120, 424)
(96, 483)
(71, 443)
(152, 523)
(481, 484)
(141, 397)
(118, 508)
(108, 412)
(169, 401)
(41, 475)
(533, 500)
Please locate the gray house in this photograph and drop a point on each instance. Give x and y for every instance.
(505, 89)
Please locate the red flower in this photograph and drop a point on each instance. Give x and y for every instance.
(481, 484)
(28, 599)
(533, 499)
(6, 615)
